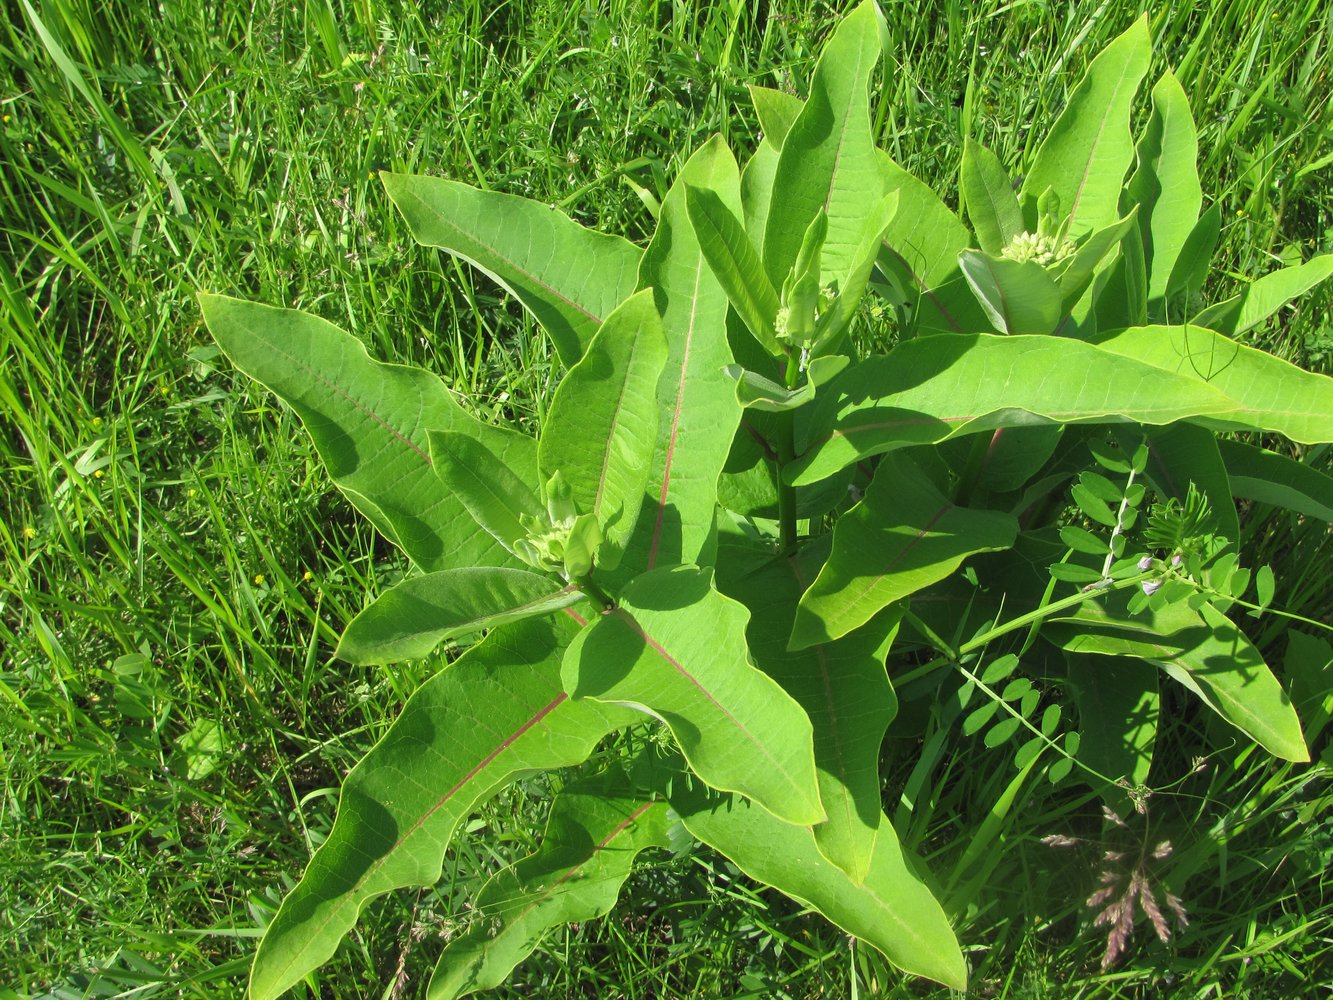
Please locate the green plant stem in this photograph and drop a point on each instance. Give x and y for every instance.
(990, 635)
(976, 459)
(585, 584)
(786, 454)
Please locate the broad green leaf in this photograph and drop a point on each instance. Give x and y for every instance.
(842, 686)
(675, 648)
(699, 412)
(755, 391)
(1186, 453)
(1264, 296)
(568, 277)
(602, 426)
(757, 191)
(828, 159)
(496, 714)
(1165, 186)
(920, 256)
(1013, 457)
(1120, 293)
(1204, 651)
(1077, 274)
(903, 536)
(412, 618)
(777, 110)
(748, 484)
(1309, 666)
(992, 206)
(1191, 267)
(369, 423)
(892, 910)
(1267, 393)
(933, 388)
(495, 494)
(1266, 476)
(1089, 149)
(592, 837)
(1118, 707)
(850, 288)
(1018, 296)
(736, 265)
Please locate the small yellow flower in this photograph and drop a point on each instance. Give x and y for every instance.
(29, 532)
(97, 422)
(99, 474)
(307, 575)
(259, 579)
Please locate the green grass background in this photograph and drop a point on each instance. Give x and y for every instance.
(176, 567)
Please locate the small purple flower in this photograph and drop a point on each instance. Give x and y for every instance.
(1151, 586)
(1145, 563)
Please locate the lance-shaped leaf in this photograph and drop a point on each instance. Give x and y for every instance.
(592, 837)
(992, 206)
(494, 493)
(932, 388)
(736, 265)
(1267, 393)
(828, 160)
(602, 426)
(1181, 454)
(777, 110)
(842, 686)
(1204, 651)
(1018, 295)
(904, 535)
(496, 714)
(699, 412)
(1118, 706)
(1266, 476)
(892, 910)
(675, 648)
(1191, 268)
(920, 256)
(412, 618)
(755, 391)
(1077, 273)
(1089, 149)
(1264, 296)
(369, 423)
(834, 320)
(1165, 185)
(568, 277)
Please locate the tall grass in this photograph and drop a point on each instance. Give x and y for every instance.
(176, 567)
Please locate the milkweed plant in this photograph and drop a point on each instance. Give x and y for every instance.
(739, 530)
